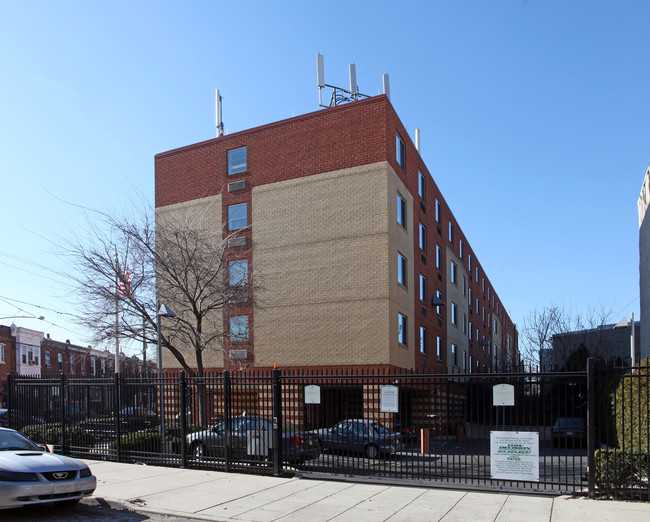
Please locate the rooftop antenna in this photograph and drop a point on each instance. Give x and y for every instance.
(339, 95)
(386, 81)
(219, 120)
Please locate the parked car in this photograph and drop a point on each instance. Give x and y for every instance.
(569, 431)
(252, 437)
(73, 415)
(409, 434)
(368, 437)
(18, 419)
(31, 475)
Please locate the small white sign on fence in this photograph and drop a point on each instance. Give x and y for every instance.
(312, 394)
(503, 395)
(389, 399)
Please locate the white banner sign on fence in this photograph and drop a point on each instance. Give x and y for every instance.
(514, 455)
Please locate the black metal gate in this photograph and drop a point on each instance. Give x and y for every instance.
(569, 432)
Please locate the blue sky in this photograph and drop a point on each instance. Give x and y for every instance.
(533, 117)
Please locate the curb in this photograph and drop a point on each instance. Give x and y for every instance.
(139, 506)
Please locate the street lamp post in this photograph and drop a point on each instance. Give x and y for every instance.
(162, 311)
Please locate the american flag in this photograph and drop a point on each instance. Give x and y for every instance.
(125, 287)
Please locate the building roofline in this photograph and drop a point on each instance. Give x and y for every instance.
(346, 106)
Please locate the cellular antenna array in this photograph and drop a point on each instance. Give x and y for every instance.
(218, 115)
(340, 95)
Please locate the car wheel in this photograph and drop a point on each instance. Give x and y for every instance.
(198, 449)
(372, 451)
(67, 503)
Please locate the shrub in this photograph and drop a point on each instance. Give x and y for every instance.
(151, 441)
(631, 403)
(50, 433)
(617, 469)
(139, 441)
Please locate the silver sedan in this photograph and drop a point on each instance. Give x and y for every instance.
(31, 475)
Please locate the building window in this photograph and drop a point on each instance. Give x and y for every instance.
(401, 269)
(439, 307)
(438, 255)
(401, 211)
(454, 312)
(470, 364)
(401, 329)
(47, 359)
(469, 264)
(59, 358)
(423, 340)
(238, 272)
(484, 286)
(470, 331)
(453, 272)
(454, 355)
(423, 238)
(464, 323)
(469, 300)
(400, 152)
(237, 161)
(423, 288)
(464, 285)
(2, 352)
(460, 248)
(451, 232)
(478, 307)
(72, 363)
(237, 216)
(93, 367)
(439, 347)
(477, 274)
(465, 361)
(238, 329)
(437, 210)
(421, 186)
(102, 366)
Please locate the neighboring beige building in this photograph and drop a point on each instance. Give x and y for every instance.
(644, 265)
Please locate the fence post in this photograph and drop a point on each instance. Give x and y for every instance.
(118, 418)
(277, 423)
(226, 417)
(64, 450)
(183, 419)
(591, 427)
(10, 405)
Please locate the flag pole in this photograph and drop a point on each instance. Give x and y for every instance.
(117, 314)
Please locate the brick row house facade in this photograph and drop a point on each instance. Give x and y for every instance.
(30, 352)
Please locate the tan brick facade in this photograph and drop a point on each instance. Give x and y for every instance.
(321, 245)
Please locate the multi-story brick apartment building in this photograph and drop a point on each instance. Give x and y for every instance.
(352, 238)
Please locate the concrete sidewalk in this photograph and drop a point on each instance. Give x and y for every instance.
(213, 495)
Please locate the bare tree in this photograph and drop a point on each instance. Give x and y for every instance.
(126, 265)
(546, 339)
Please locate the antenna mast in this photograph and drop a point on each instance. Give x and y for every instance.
(340, 95)
(218, 115)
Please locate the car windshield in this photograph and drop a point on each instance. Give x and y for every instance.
(381, 429)
(11, 440)
(570, 422)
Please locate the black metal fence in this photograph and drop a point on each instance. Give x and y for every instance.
(578, 432)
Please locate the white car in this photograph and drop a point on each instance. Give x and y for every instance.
(31, 475)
